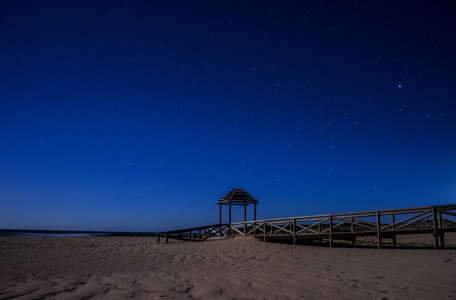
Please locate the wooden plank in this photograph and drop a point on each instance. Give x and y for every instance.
(280, 229)
(191, 229)
(366, 224)
(315, 224)
(353, 221)
(236, 229)
(448, 213)
(414, 222)
(427, 213)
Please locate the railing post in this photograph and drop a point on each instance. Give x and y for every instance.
(166, 238)
(442, 233)
(294, 231)
(379, 238)
(264, 231)
(352, 230)
(434, 225)
(199, 234)
(158, 238)
(393, 220)
(330, 231)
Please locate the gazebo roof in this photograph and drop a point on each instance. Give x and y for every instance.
(237, 197)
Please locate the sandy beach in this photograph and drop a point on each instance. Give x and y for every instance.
(239, 268)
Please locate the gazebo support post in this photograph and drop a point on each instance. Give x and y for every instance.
(220, 220)
(245, 219)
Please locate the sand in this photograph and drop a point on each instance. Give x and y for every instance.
(239, 268)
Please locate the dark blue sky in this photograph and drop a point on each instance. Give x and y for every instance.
(140, 115)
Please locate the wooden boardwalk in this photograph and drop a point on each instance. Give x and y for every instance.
(381, 224)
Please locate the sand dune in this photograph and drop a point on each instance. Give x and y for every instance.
(239, 268)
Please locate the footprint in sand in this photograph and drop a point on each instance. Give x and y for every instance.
(355, 286)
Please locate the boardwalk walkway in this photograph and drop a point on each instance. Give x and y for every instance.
(382, 224)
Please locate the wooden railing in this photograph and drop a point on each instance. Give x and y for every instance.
(382, 224)
(196, 233)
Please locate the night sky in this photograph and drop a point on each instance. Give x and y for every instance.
(140, 115)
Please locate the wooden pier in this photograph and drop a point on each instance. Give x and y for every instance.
(381, 224)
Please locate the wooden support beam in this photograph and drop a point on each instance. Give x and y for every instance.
(220, 219)
(379, 238)
(442, 234)
(352, 229)
(158, 238)
(330, 231)
(245, 219)
(294, 231)
(393, 220)
(434, 225)
(229, 219)
(264, 231)
(229, 214)
(166, 238)
(220, 214)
